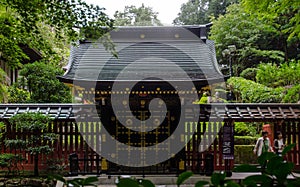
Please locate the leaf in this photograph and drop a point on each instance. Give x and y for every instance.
(128, 182)
(75, 182)
(288, 148)
(90, 181)
(265, 157)
(283, 171)
(294, 183)
(183, 176)
(57, 177)
(218, 178)
(232, 184)
(263, 180)
(274, 164)
(201, 183)
(146, 183)
(246, 168)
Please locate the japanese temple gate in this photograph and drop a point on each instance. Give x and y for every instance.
(172, 66)
(283, 117)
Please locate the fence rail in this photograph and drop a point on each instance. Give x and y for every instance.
(70, 140)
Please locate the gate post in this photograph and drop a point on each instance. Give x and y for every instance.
(209, 164)
(73, 160)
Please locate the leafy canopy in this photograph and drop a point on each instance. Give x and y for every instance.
(201, 11)
(47, 26)
(254, 39)
(42, 85)
(283, 14)
(141, 16)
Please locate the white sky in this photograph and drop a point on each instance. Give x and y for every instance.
(167, 9)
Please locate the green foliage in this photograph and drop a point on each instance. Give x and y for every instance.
(284, 14)
(279, 75)
(200, 11)
(128, 182)
(248, 91)
(10, 162)
(17, 95)
(244, 129)
(292, 95)
(42, 84)
(141, 16)
(11, 36)
(3, 86)
(5, 159)
(274, 170)
(183, 177)
(249, 73)
(253, 39)
(218, 180)
(62, 15)
(246, 168)
(38, 138)
(55, 166)
(272, 82)
(2, 129)
(78, 182)
(201, 183)
(48, 27)
(244, 140)
(15, 144)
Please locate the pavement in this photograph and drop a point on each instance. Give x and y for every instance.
(165, 180)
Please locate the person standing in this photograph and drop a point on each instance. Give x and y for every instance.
(278, 143)
(263, 144)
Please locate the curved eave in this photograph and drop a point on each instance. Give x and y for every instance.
(87, 82)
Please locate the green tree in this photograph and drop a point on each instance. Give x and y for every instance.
(273, 75)
(3, 86)
(253, 39)
(284, 17)
(38, 139)
(141, 16)
(247, 91)
(48, 26)
(41, 83)
(201, 11)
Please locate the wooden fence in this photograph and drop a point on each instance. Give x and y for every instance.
(70, 141)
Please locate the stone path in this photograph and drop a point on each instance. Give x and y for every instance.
(167, 181)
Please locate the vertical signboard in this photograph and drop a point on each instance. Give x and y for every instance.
(228, 142)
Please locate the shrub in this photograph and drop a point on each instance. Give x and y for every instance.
(244, 129)
(248, 91)
(293, 95)
(244, 140)
(243, 154)
(249, 73)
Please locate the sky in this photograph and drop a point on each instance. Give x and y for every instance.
(167, 9)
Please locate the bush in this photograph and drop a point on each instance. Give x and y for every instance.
(244, 129)
(248, 91)
(244, 140)
(249, 73)
(243, 154)
(293, 95)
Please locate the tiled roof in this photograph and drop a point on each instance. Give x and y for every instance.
(216, 111)
(151, 52)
